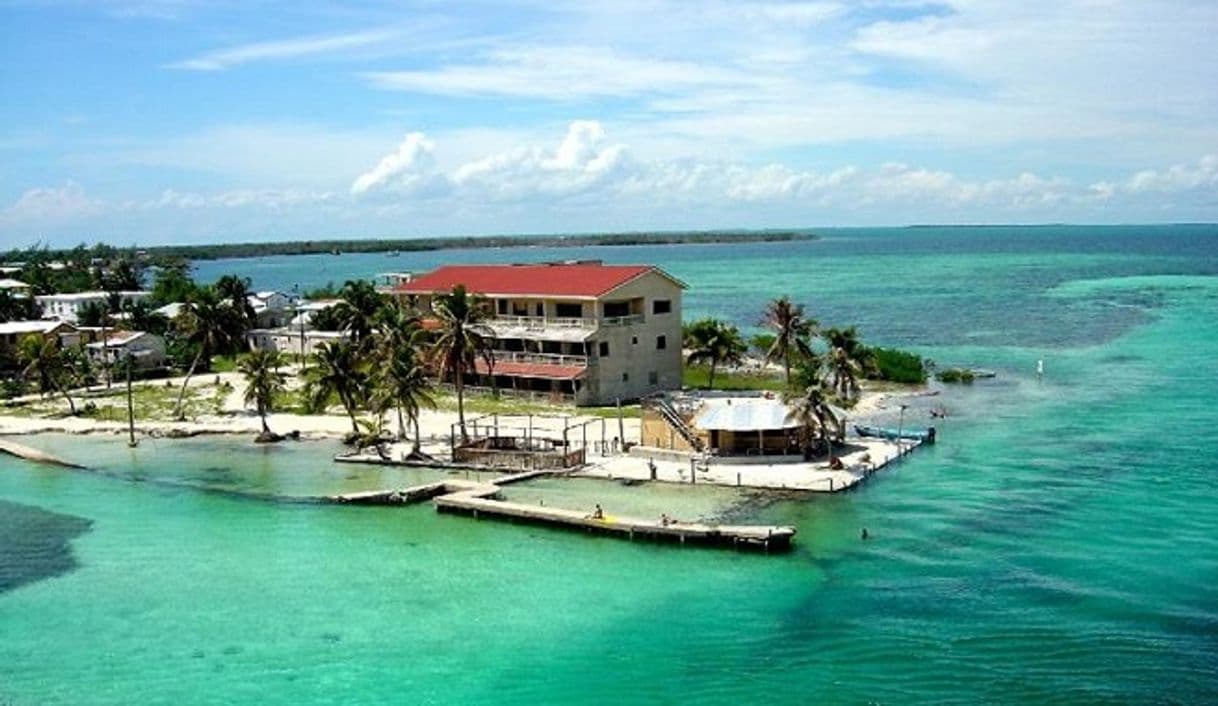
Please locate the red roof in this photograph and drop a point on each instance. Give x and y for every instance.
(558, 279)
(532, 370)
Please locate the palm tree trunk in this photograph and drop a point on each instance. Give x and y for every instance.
(63, 391)
(401, 424)
(418, 437)
(262, 413)
(786, 364)
(349, 405)
(177, 409)
(710, 382)
(460, 385)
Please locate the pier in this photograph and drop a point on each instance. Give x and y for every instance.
(477, 499)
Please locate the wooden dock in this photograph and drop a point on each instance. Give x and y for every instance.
(480, 500)
(476, 504)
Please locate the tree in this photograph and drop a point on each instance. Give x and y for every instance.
(714, 342)
(810, 409)
(792, 333)
(336, 372)
(204, 323)
(399, 378)
(358, 309)
(92, 314)
(15, 308)
(462, 340)
(262, 382)
(172, 283)
(44, 360)
(234, 291)
(847, 360)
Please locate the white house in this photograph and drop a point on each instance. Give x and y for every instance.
(147, 350)
(67, 307)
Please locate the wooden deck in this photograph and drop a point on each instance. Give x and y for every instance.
(480, 500)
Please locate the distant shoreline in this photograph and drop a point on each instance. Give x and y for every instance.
(226, 251)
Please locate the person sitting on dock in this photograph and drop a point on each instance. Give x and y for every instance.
(598, 513)
(664, 519)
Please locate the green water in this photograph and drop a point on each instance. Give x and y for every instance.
(1059, 545)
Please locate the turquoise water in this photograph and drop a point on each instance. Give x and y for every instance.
(1059, 545)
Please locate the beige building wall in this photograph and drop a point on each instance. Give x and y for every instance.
(636, 365)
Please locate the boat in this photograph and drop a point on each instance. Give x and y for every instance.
(925, 435)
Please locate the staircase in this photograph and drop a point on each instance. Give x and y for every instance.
(676, 421)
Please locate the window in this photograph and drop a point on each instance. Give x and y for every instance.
(502, 307)
(661, 306)
(634, 340)
(569, 311)
(653, 378)
(615, 309)
(661, 343)
(625, 377)
(604, 349)
(541, 309)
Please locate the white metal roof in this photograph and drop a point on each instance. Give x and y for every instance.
(21, 327)
(744, 414)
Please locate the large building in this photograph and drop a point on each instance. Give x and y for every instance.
(68, 307)
(578, 331)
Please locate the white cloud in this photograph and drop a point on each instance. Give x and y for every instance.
(586, 178)
(53, 204)
(281, 49)
(409, 169)
(559, 73)
(1179, 177)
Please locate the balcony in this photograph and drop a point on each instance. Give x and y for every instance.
(540, 358)
(541, 322)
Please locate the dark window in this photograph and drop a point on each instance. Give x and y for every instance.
(503, 307)
(661, 342)
(604, 349)
(625, 377)
(613, 309)
(569, 311)
(541, 309)
(661, 306)
(653, 378)
(634, 340)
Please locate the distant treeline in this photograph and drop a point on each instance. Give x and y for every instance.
(313, 247)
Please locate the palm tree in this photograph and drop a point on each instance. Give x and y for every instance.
(235, 292)
(715, 342)
(358, 309)
(462, 340)
(810, 408)
(336, 372)
(848, 358)
(203, 322)
(400, 378)
(792, 332)
(263, 382)
(44, 359)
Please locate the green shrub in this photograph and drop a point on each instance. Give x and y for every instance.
(957, 375)
(897, 366)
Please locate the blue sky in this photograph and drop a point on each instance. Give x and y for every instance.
(162, 121)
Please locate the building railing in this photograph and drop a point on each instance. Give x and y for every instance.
(548, 397)
(542, 322)
(540, 358)
(622, 320)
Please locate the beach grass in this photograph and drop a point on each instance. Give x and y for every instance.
(697, 377)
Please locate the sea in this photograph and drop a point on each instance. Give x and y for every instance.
(1059, 545)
